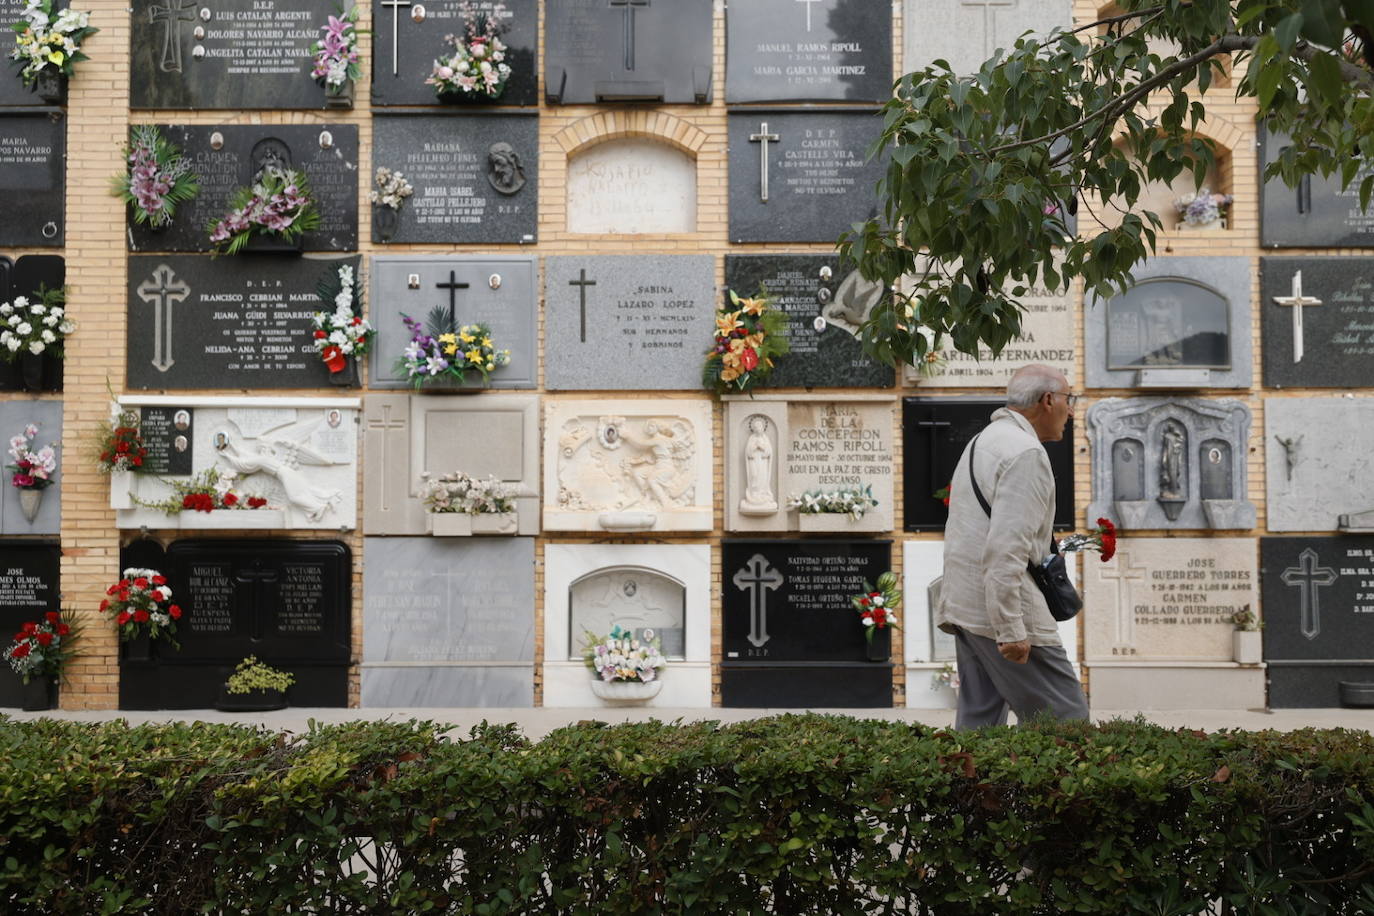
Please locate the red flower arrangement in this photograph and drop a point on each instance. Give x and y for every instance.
(1102, 538)
(42, 647)
(121, 446)
(877, 607)
(140, 601)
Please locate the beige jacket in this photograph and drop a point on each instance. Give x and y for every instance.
(986, 589)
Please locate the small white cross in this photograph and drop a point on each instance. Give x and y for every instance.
(1297, 301)
(808, 11)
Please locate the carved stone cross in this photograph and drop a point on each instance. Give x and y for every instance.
(385, 465)
(763, 137)
(628, 27)
(989, 8)
(452, 286)
(808, 11)
(1297, 302)
(170, 15)
(757, 578)
(162, 290)
(582, 283)
(1307, 577)
(1123, 574)
(395, 27)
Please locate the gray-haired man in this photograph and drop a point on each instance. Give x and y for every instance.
(1007, 644)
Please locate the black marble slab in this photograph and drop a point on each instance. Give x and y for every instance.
(29, 588)
(228, 157)
(13, 91)
(808, 51)
(655, 51)
(1315, 214)
(227, 322)
(935, 432)
(404, 50)
(33, 168)
(825, 300)
(1337, 321)
(476, 178)
(23, 277)
(167, 434)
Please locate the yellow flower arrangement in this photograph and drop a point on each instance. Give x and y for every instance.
(749, 338)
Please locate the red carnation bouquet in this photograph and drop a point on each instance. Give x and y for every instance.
(140, 601)
(1102, 538)
(41, 648)
(877, 607)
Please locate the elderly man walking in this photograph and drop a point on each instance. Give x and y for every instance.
(1007, 644)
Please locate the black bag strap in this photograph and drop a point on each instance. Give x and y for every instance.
(983, 500)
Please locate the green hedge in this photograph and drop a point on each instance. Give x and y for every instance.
(794, 814)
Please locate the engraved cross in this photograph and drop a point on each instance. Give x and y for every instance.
(628, 27)
(452, 286)
(1307, 577)
(989, 8)
(763, 137)
(384, 426)
(757, 578)
(170, 15)
(162, 290)
(1297, 302)
(582, 283)
(808, 11)
(1123, 574)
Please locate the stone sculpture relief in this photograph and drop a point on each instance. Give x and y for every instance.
(617, 464)
(759, 497)
(282, 459)
(505, 172)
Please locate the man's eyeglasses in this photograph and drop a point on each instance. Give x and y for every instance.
(1071, 399)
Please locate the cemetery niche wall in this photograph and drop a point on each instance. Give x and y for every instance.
(33, 179)
(288, 602)
(1318, 331)
(1318, 620)
(1315, 214)
(1317, 464)
(780, 449)
(776, 51)
(241, 463)
(1184, 324)
(789, 636)
(935, 433)
(33, 511)
(28, 276)
(29, 588)
(1170, 464)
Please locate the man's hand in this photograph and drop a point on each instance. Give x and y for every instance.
(1017, 652)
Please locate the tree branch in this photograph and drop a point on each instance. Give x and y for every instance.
(1113, 20)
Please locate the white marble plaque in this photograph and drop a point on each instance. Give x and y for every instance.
(632, 187)
(967, 32)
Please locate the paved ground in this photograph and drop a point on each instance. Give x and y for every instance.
(539, 722)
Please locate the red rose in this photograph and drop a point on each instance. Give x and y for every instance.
(123, 583)
(52, 616)
(105, 604)
(123, 618)
(230, 499)
(141, 582)
(20, 637)
(137, 462)
(356, 321)
(159, 580)
(1108, 547)
(256, 502)
(124, 594)
(20, 651)
(175, 612)
(121, 447)
(112, 589)
(63, 629)
(320, 335)
(140, 616)
(44, 638)
(28, 628)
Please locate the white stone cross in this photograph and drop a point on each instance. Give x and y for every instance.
(808, 11)
(989, 8)
(395, 27)
(1307, 577)
(162, 290)
(384, 466)
(762, 138)
(1297, 302)
(1123, 574)
(757, 578)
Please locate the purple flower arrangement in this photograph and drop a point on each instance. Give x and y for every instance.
(447, 352)
(336, 54)
(278, 203)
(157, 179)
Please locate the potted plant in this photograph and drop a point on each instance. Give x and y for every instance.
(387, 199)
(1246, 643)
(271, 215)
(460, 505)
(341, 336)
(830, 510)
(254, 687)
(477, 67)
(336, 59)
(31, 329)
(626, 670)
(1203, 210)
(32, 471)
(39, 654)
(157, 178)
(749, 338)
(444, 353)
(877, 609)
(48, 46)
(140, 606)
(121, 454)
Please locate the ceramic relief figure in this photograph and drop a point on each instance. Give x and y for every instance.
(626, 462)
(759, 498)
(282, 459)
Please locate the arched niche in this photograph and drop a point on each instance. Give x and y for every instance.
(1162, 197)
(632, 186)
(633, 598)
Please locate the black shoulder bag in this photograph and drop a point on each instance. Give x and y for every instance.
(1052, 576)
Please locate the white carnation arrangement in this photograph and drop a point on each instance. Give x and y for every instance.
(37, 325)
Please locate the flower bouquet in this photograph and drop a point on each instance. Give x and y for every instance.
(477, 66)
(392, 188)
(277, 205)
(43, 648)
(343, 332)
(336, 56)
(877, 606)
(45, 45)
(121, 444)
(460, 505)
(851, 502)
(946, 677)
(35, 326)
(32, 470)
(1202, 208)
(1102, 538)
(207, 491)
(140, 602)
(749, 337)
(442, 351)
(158, 177)
(625, 668)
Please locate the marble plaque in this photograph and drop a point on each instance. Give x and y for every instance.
(475, 178)
(638, 322)
(826, 301)
(167, 431)
(964, 33)
(802, 176)
(225, 53)
(33, 160)
(812, 51)
(197, 321)
(628, 51)
(448, 624)
(409, 36)
(632, 186)
(1315, 214)
(1184, 324)
(24, 276)
(1169, 599)
(498, 291)
(1318, 316)
(228, 157)
(778, 447)
(628, 466)
(1317, 463)
(30, 586)
(47, 416)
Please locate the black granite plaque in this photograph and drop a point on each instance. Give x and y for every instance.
(1318, 610)
(801, 176)
(23, 277)
(808, 51)
(1316, 213)
(404, 50)
(167, 434)
(825, 300)
(789, 635)
(628, 51)
(13, 91)
(287, 602)
(225, 53)
(327, 155)
(1318, 316)
(935, 432)
(475, 178)
(29, 573)
(227, 322)
(33, 160)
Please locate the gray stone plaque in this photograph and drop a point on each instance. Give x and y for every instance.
(1318, 316)
(808, 50)
(225, 53)
(447, 624)
(801, 176)
(1317, 453)
(628, 51)
(493, 290)
(240, 322)
(228, 157)
(964, 33)
(825, 302)
(475, 178)
(33, 167)
(14, 417)
(408, 36)
(1315, 214)
(627, 322)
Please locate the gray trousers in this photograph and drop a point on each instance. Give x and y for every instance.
(989, 684)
